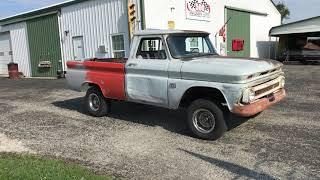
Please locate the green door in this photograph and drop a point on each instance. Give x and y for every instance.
(44, 45)
(238, 28)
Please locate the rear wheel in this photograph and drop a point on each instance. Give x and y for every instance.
(96, 104)
(206, 120)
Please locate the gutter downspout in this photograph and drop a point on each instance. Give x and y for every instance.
(61, 34)
(270, 47)
(142, 13)
(10, 46)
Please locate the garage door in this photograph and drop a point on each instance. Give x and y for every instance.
(238, 29)
(5, 52)
(44, 46)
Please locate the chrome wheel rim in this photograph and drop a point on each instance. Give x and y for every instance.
(204, 121)
(94, 102)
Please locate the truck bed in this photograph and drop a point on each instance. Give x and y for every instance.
(108, 74)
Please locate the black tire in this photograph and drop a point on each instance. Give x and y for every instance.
(207, 110)
(94, 108)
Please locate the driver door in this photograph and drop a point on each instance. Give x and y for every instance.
(147, 72)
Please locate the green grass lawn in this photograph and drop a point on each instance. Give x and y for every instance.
(25, 167)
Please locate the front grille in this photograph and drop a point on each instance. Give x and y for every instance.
(267, 89)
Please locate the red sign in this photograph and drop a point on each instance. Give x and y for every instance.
(237, 45)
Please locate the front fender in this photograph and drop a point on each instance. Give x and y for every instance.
(231, 92)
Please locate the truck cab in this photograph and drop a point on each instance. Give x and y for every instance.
(181, 69)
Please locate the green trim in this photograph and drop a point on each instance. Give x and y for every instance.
(44, 45)
(142, 13)
(245, 10)
(17, 20)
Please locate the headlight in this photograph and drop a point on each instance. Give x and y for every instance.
(282, 83)
(248, 96)
(252, 95)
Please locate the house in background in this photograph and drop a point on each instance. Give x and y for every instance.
(43, 40)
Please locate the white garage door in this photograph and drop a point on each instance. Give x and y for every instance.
(5, 53)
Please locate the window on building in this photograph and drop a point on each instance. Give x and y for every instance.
(194, 43)
(151, 48)
(118, 46)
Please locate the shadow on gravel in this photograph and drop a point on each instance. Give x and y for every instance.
(71, 104)
(171, 120)
(234, 121)
(240, 171)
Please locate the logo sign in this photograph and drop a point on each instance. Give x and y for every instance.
(198, 10)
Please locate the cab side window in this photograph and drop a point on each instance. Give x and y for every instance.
(151, 48)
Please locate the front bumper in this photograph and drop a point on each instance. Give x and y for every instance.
(259, 105)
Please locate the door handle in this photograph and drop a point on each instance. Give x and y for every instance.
(132, 65)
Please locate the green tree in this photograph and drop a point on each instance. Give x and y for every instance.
(284, 11)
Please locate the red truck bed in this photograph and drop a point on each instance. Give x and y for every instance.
(108, 74)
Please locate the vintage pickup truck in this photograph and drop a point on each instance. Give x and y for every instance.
(181, 69)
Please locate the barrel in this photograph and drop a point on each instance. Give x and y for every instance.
(13, 70)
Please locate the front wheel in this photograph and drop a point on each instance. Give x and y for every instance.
(96, 104)
(206, 120)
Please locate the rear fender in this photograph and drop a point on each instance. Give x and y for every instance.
(108, 76)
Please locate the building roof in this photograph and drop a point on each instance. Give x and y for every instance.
(304, 26)
(37, 12)
(158, 31)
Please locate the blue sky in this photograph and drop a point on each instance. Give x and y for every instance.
(300, 9)
(12, 7)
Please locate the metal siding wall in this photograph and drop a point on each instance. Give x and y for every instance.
(96, 21)
(44, 45)
(20, 47)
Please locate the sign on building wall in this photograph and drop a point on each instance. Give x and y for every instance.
(198, 10)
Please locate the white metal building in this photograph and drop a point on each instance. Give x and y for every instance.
(13, 38)
(89, 28)
(99, 28)
(263, 15)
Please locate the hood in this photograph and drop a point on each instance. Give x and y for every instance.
(225, 69)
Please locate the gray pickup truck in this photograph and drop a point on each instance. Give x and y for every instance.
(181, 69)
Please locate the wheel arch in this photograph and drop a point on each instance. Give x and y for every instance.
(198, 92)
(87, 85)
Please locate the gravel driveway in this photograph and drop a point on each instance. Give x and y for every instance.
(143, 142)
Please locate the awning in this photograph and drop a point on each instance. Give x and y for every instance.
(305, 26)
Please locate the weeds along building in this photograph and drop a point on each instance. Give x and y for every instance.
(43, 40)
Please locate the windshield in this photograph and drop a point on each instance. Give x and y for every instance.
(187, 45)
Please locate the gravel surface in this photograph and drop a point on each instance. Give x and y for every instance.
(12, 145)
(143, 142)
